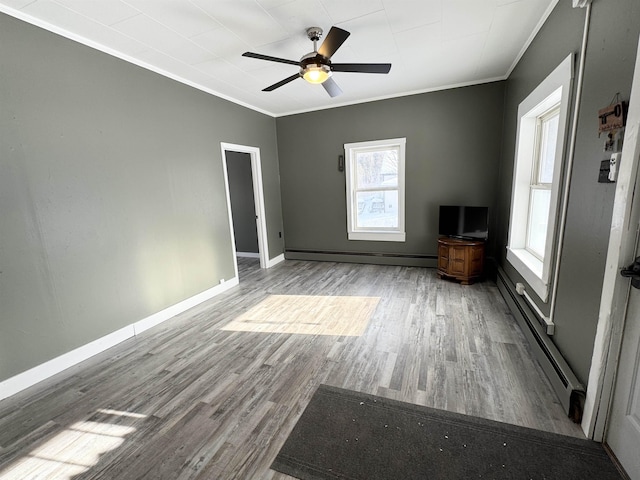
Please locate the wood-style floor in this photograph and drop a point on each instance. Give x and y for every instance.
(192, 399)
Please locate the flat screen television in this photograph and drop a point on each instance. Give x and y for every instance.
(457, 221)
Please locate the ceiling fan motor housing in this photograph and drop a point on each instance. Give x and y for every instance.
(314, 58)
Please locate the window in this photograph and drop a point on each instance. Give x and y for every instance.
(375, 190)
(542, 181)
(542, 120)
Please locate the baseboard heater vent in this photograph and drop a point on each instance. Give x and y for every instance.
(566, 385)
(409, 259)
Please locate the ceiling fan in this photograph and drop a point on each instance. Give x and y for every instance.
(316, 67)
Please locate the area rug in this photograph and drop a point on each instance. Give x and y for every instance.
(349, 435)
(307, 315)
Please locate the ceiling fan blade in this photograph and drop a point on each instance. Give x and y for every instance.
(259, 56)
(281, 83)
(333, 41)
(361, 67)
(331, 87)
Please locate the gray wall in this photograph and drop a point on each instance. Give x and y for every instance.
(610, 58)
(452, 157)
(112, 193)
(243, 206)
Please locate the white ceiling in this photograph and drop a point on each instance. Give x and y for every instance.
(432, 44)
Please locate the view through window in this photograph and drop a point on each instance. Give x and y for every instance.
(375, 190)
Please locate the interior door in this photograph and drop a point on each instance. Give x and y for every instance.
(622, 427)
(623, 430)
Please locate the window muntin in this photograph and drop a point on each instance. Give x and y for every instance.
(375, 190)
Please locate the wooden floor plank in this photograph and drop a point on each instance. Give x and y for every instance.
(191, 399)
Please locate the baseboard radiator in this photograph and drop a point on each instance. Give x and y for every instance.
(375, 258)
(569, 390)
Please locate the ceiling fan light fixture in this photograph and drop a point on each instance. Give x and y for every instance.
(316, 74)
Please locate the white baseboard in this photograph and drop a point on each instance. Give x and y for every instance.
(276, 260)
(34, 375)
(170, 312)
(248, 254)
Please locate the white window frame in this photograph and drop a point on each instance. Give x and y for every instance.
(396, 234)
(554, 90)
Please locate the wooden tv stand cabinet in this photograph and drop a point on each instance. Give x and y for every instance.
(460, 259)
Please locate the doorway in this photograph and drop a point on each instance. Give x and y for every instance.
(253, 188)
(612, 407)
(622, 427)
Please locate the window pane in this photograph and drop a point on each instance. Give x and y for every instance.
(538, 219)
(377, 169)
(377, 209)
(548, 141)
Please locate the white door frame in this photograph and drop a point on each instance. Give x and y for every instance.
(615, 289)
(258, 198)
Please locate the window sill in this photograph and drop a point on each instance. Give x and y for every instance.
(531, 269)
(378, 236)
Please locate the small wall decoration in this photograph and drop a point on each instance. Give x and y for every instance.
(613, 142)
(612, 117)
(611, 120)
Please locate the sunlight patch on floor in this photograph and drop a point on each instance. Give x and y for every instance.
(307, 315)
(74, 450)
